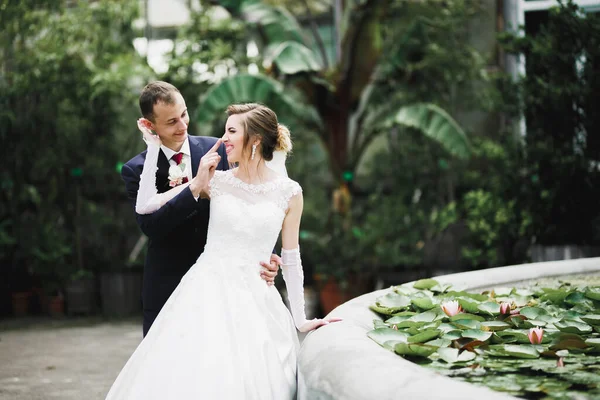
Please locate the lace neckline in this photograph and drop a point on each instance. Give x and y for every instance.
(252, 187)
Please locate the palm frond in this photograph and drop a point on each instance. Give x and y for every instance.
(245, 88)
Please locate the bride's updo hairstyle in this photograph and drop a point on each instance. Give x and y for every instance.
(260, 121)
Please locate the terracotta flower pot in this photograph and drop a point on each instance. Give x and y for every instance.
(56, 306)
(20, 303)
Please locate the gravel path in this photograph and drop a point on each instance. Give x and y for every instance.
(66, 360)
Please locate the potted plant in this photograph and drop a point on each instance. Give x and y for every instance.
(121, 290)
(336, 253)
(81, 292)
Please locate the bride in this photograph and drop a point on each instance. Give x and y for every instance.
(224, 333)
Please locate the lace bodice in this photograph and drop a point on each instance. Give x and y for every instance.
(245, 219)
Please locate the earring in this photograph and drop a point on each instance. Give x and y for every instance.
(253, 151)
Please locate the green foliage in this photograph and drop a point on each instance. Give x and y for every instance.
(491, 220)
(492, 349)
(344, 92)
(492, 190)
(206, 50)
(69, 78)
(559, 96)
(393, 232)
(436, 60)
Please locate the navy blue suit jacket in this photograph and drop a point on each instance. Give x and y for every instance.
(176, 232)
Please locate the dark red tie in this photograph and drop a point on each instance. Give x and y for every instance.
(178, 157)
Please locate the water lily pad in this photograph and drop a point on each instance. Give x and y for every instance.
(586, 306)
(490, 308)
(504, 383)
(416, 329)
(592, 319)
(516, 320)
(520, 301)
(468, 304)
(573, 326)
(396, 319)
(380, 310)
(451, 355)
(440, 288)
(495, 339)
(536, 313)
(499, 348)
(377, 323)
(463, 316)
(414, 349)
(394, 301)
(424, 336)
(533, 323)
(574, 297)
(383, 335)
(583, 377)
(446, 327)
(427, 316)
(593, 293)
(514, 335)
(409, 324)
(556, 296)
(439, 342)
(476, 334)
(405, 290)
(555, 386)
(497, 365)
(424, 303)
(466, 324)
(514, 350)
(425, 283)
(568, 341)
(475, 296)
(452, 335)
(494, 326)
(595, 343)
(469, 344)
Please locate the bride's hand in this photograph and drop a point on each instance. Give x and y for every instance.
(206, 169)
(147, 135)
(316, 323)
(210, 161)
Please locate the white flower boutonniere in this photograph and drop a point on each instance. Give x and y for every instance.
(176, 174)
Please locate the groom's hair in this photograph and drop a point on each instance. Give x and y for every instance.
(152, 94)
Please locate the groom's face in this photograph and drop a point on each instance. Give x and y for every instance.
(171, 122)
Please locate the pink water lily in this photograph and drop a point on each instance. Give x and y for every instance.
(504, 308)
(451, 308)
(535, 335)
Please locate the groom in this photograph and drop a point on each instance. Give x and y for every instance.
(177, 231)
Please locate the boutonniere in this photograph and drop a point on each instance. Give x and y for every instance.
(176, 174)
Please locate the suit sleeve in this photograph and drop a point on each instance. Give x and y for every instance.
(166, 218)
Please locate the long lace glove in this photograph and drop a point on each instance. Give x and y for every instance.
(291, 265)
(148, 199)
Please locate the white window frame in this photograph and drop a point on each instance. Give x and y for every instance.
(514, 12)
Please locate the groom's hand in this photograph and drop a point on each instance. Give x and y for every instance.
(269, 271)
(206, 170)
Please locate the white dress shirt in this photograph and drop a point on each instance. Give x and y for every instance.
(187, 157)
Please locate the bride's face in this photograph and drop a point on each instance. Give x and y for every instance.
(234, 138)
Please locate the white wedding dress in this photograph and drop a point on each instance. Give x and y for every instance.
(223, 333)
